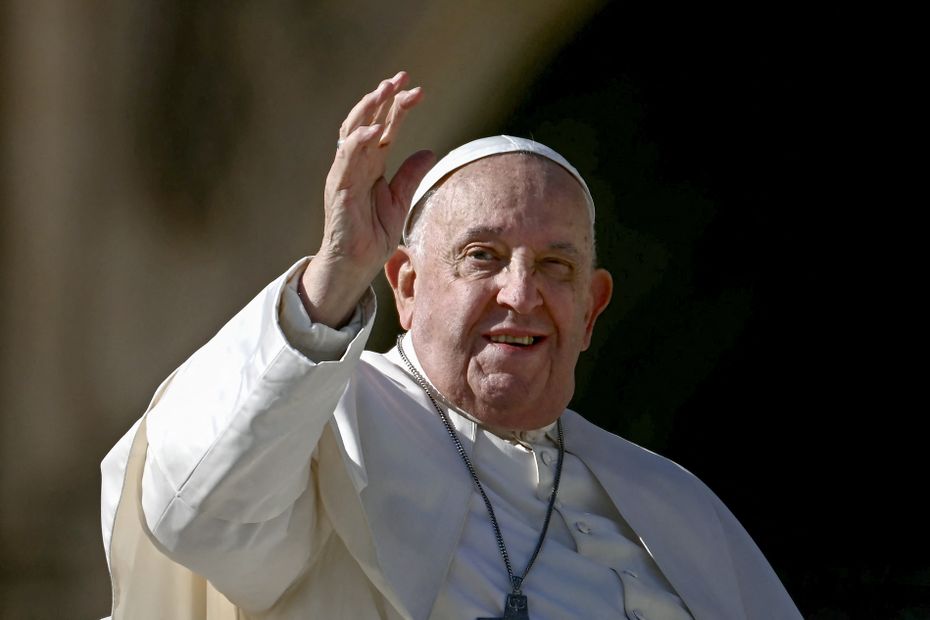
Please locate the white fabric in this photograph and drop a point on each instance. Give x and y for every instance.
(304, 489)
(592, 564)
(485, 147)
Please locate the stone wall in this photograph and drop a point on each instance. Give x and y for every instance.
(161, 161)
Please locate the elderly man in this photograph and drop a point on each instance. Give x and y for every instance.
(282, 472)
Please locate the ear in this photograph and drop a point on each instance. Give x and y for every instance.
(602, 288)
(401, 276)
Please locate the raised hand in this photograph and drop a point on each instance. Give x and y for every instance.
(364, 213)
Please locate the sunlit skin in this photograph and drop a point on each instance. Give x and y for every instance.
(506, 250)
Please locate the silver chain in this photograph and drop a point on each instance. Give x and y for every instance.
(516, 582)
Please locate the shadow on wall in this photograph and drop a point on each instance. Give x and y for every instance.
(162, 162)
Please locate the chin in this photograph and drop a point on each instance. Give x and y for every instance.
(506, 400)
(513, 410)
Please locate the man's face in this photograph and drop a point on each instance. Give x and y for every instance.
(501, 298)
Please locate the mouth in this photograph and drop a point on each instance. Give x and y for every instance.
(517, 341)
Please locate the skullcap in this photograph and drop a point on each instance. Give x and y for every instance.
(485, 147)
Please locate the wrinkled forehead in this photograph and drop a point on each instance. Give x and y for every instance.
(465, 156)
(499, 179)
(517, 195)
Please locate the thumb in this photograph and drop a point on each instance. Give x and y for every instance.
(409, 175)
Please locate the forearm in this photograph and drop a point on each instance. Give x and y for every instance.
(230, 445)
(330, 288)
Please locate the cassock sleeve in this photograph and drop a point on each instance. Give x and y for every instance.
(226, 489)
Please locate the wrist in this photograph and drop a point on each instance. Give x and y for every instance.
(330, 290)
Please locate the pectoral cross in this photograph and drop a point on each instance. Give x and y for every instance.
(515, 608)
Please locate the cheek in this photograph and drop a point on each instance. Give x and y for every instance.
(445, 315)
(572, 318)
(463, 302)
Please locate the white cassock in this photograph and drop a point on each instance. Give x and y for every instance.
(263, 484)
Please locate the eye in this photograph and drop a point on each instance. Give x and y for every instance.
(479, 261)
(558, 267)
(480, 254)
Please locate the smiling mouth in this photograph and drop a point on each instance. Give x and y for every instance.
(520, 341)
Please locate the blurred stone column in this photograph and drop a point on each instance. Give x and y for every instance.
(136, 218)
(62, 170)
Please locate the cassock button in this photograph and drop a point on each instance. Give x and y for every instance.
(547, 458)
(583, 527)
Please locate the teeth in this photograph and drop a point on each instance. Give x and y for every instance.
(524, 340)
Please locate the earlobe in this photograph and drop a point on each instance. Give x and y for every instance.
(602, 288)
(401, 275)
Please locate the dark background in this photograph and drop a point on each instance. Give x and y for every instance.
(744, 339)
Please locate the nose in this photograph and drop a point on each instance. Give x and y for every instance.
(518, 289)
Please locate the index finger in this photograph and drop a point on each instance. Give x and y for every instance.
(403, 103)
(367, 110)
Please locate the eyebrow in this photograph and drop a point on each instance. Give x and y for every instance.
(477, 232)
(482, 231)
(567, 247)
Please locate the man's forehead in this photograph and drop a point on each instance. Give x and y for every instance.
(496, 180)
(526, 200)
(483, 148)
(505, 168)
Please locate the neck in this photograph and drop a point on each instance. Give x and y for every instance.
(519, 435)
